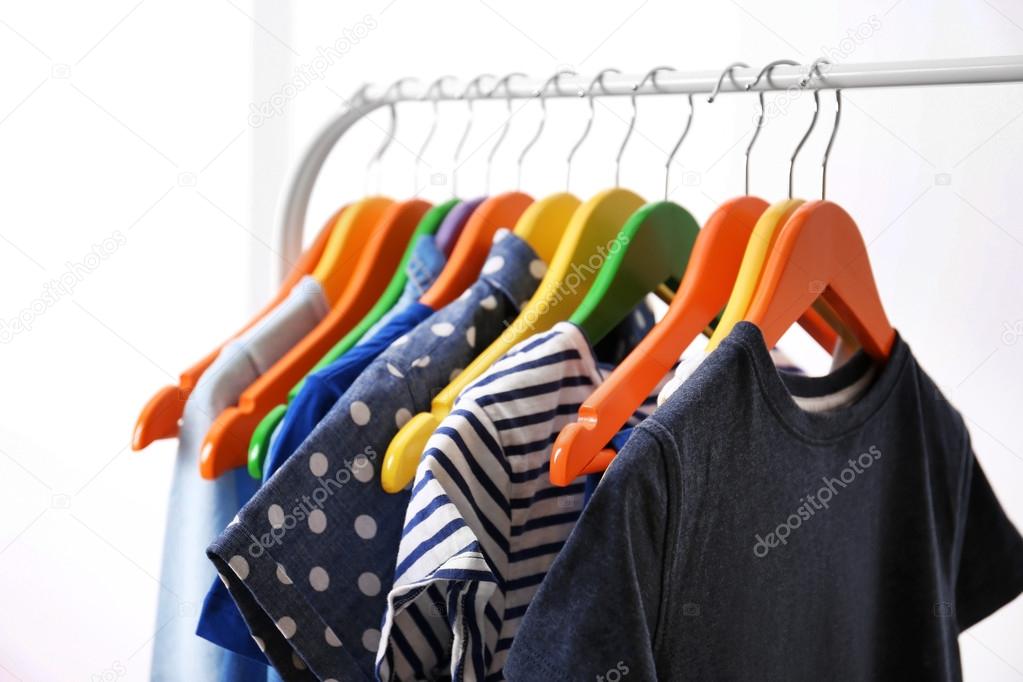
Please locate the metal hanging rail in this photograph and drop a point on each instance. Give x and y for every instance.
(975, 71)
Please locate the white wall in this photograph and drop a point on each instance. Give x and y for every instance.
(132, 121)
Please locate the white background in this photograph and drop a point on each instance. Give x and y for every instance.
(131, 121)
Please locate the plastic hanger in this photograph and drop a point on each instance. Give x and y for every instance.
(704, 290)
(820, 254)
(564, 234)
(160, 417)
(226, 443)
(764, 234)
(655, 244)
(259, 444)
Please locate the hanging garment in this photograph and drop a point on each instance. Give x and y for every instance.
(310, 559)
(199, 509)
(484, 521)
(741, 535)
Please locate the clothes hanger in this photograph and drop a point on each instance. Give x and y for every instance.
(820, 255)
(259, 444)
(226, 443)
(765, 232)
(704, 290)
(161, 414)
(593, 226)
(656, 242)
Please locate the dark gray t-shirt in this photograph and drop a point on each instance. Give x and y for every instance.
(739, 535)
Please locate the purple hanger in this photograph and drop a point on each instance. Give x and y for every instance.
(454, 221)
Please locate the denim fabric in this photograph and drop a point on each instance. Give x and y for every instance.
(199, 509)
(220, 622)
(739, 535)
(311, 558)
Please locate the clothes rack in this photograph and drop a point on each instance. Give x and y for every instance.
(971, 71)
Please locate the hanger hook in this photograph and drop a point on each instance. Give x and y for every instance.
(588, 92)
(507, 121)
(815, 67)
(831, 141)
(650, 75)
(542, 94)
(473, 84)
(432, 94)
(681, 139)
(721, 79)
(374, 162)
(760, 100)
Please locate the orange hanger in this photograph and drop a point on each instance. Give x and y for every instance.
(466, 260)
(705, 287)
(159, 418)
(227, 441)
(820, 254)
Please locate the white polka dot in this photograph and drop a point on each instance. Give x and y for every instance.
(318, 463)
(287, 627)
(537, 268)
(223, 579)
(234, 521)
(260, 643)
(493, 265)
(360, 412)
(276, 515)
(400, 341)
(331, 637)
(371, 639)
(421, 362)
(395, 371)
(365, 526)
(297, 661)
(319, 579)
(317, 521)
(465, 294)
(638, 316)
(362, 469)
(240, 566)
(369, 584)
(454, 373)
(470, 336)
(401, 417)
(443, 329)
(489, 303)
(501, 234)
(282, 575)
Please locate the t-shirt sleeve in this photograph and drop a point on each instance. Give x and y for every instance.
(991, 562)
(598, 608)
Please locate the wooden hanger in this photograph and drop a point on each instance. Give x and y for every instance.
(259, 444)
(160, 417)
(820, 254)
(705, 287)
(227, 440)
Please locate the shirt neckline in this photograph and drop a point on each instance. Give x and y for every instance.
(778, 388)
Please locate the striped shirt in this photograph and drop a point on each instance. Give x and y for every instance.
(484, 522)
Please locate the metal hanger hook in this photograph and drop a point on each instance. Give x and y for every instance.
(760, 100)
(650, 75)
(542, 94)
(588, 92)
(815, 68)
(721, 79)
(473, 84)
(374, 162)
(674, 150)
(507, 121)
(813, 122)
(431, 95)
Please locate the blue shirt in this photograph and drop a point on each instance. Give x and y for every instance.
(310, 559)
(220, 622)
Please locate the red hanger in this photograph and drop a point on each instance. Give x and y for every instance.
(820, 254)
(703, 292)
(159, 418)
(227, 441)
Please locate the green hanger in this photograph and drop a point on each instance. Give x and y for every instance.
(653, 249)
(259, 445)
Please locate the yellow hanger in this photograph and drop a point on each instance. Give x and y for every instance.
(588, 232)
(336, 265)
